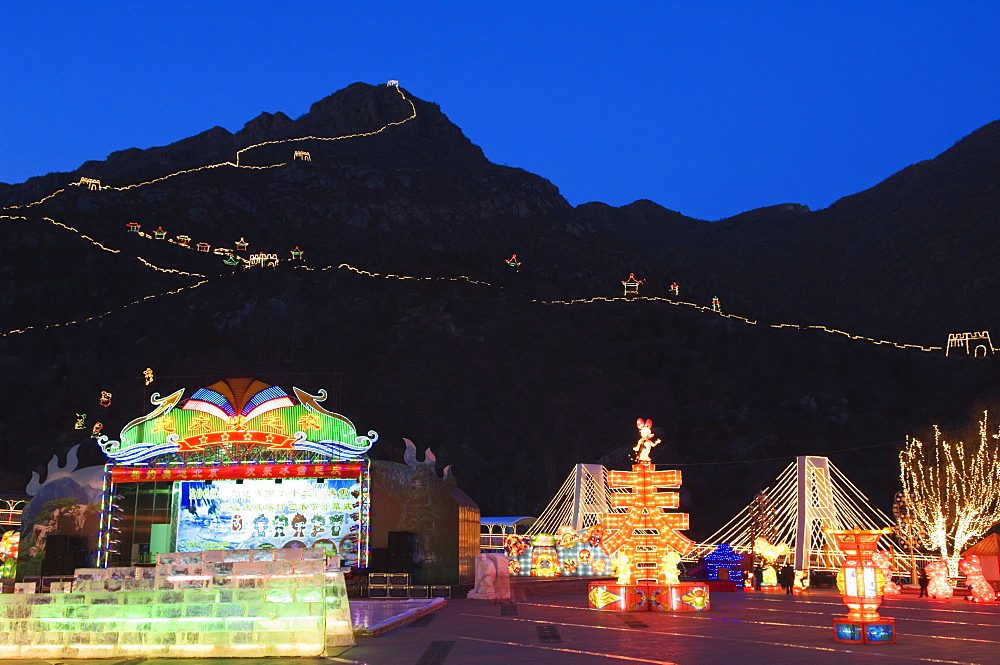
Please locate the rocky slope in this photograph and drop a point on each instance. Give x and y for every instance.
(510, 390)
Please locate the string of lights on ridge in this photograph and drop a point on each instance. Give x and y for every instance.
(272, 259)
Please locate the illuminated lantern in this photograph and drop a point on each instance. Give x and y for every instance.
(147, 375)
(938, 584)
(861, 582)
(513, 262)
(883, 561)
(716, 305)
(981, 591)
(770, 553)
(105, 400)
(544, 558)
(96, 432)
(241, 244)
(670, 572)
(632, 285)
(623, 567)
(296, 254)
(81, 421)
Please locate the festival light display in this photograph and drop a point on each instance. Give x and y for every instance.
(203, 247)
(147, 376)
(861, 582)
(567, 553)
(105, 399)
(716, 305)
(513, 262)
(96, 431)
(632, 285)
(952, 490)
(675, 289)
(883, 560)
(9, 544)
(301, 155)
(81, 421)
(223, 451)
(644, 540)
(938, 582)
(241, 245)
(724, 557)
(133, 227)
(159, 233)
(184, 241)
(296, 254)
(980, 590)
(770, 553)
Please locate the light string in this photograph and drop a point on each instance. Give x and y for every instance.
(94, 184)
(91, 183)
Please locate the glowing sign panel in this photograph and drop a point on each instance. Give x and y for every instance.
(260, 514)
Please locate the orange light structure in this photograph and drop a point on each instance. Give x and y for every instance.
(862, 584)
(644, 539)
(980, 589)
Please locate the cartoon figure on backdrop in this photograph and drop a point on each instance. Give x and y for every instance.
(801, 581)
(513, 566)
(939, 585)
(544, 557)
(670, 572)
(335, 522)
(645, 439)
(569, 566)
(319, 525)
(623, 567)
(593, 535)
(599, 566)
(299, 525)
(237, 524)
(584, 557)
(981, 591)
(566, 536)
(260, 526)
(514, 545)
(280, 522)
(883, 561)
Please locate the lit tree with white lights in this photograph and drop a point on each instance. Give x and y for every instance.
(952, 490)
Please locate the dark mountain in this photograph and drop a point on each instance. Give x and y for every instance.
(509, 388)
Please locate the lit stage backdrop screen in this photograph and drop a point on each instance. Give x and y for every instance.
(258, 514)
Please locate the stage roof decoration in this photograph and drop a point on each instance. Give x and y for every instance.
(238, 420)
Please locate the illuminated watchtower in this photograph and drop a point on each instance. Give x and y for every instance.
(975, 344)
(91, 183)
(392, 83)
(302, 155)
(632, 285)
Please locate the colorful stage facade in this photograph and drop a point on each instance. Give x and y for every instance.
(237, 465)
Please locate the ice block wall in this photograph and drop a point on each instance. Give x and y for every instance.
(236, 603)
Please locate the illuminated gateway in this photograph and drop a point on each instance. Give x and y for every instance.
(243, 464)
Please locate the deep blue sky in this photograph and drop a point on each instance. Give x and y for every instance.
(709, 108)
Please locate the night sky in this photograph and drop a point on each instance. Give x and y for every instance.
(706, 108)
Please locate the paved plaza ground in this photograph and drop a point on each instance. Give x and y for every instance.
(741, 628)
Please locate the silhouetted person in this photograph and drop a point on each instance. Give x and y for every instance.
(758, 577)
(787, 578)
(922, 579)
